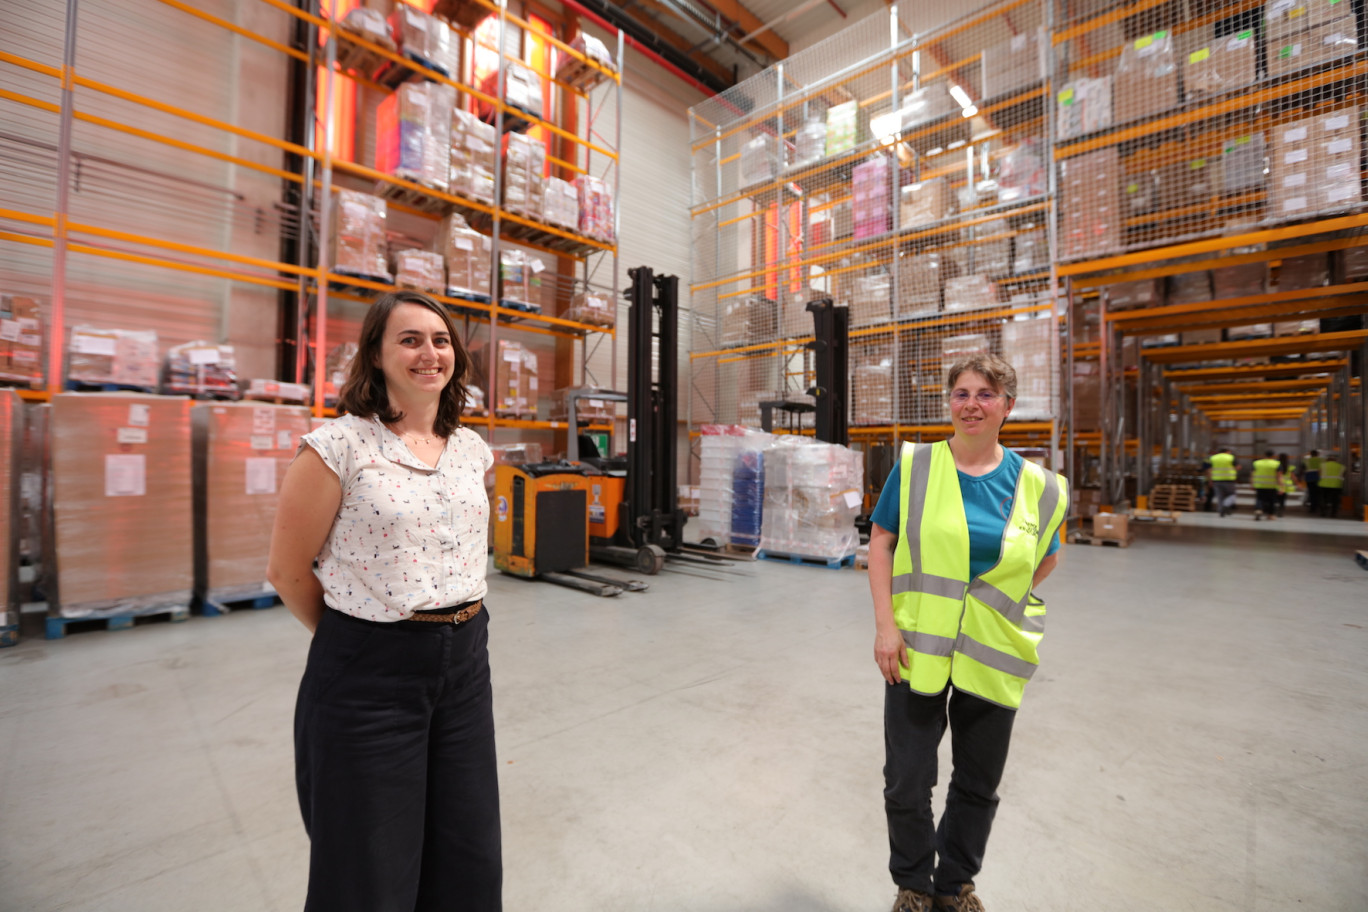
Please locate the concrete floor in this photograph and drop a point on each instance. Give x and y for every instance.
(1197, 739)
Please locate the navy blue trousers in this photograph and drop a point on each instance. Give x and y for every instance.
(395, 767)
(980, 733)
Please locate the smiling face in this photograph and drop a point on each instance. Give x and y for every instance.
(977, 408)
(415, 356)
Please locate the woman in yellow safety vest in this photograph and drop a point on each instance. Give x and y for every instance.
(1331, 485)
(964, 531)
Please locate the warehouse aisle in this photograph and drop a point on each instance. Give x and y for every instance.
(1195, 740)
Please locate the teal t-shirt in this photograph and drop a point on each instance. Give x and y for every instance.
(987, 504)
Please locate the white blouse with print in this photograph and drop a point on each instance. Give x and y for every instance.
(408, 536)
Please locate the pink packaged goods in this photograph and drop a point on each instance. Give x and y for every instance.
(871, 197)
(595, 208)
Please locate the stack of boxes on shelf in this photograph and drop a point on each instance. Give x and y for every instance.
(21, 340)
(514, 372)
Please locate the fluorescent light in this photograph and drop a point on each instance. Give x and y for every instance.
(885, 127)
(970, 111)
(961, 96)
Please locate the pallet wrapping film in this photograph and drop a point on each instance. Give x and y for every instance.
(921, 277)
(336, 367)
(524, 184)
(522, 91)
(592, 307)
(1332, 39)
(203, 369)
(930, 102)
(925, 202)
(809, 143)
(241, 452)
(813, 492)
(358, 236)
(467, 253)
(11, 482)
(21, 339)
(515, 378)
(1220, 65)
(1243, 163)
(1090, 218)
(121, 504)
(1084, 106)
(561, 204)
(425, 37)
(1030, 251)
(121, 357)
(870, 299)
(421, 270)
(871, 196)
(759, 161)
(588, 406)
(520, 284)
(1029, 346)
(1314, 165)
(596, 219)
(474, 156)
(871, 388)
(973, 292)
(1146, 80)
(413, 133)
(1023, 172)
(1015, 64)
(719, 446)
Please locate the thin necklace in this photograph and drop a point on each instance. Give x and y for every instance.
(415, 438)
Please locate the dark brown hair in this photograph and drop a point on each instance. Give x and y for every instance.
(999, 374)
(364, 393)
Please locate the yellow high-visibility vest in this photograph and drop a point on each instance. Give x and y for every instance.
(1332, 474)
(1265, 473)
(1222, 467)
(982, 634)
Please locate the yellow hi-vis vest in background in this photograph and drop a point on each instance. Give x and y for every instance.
(981, 634)
(1222, 467)
(1332, 474)
(1265, 473)
(1312, 463)
(1289, 482)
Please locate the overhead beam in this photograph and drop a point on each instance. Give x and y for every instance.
(1347, 340)
(1313, 384)
(1245, 371)
(663, 41)
(747, 22)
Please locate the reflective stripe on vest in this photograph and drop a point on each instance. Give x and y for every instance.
(1332, 474)
(1265, 473)
(1222, 467)
(980, 634)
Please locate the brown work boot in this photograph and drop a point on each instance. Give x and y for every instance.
(912, 901)
(965, 901)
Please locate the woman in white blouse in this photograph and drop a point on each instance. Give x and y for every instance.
(379, 549)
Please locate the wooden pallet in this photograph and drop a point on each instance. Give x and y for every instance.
(1156, 515)
(580, 74)
(57, 627)
(1081, 539)
(414, 199)
(217, 607)
(1173, 497)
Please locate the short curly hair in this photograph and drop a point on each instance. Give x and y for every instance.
(999, 374)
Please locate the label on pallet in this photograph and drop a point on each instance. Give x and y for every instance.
(131, 435)
(261, 475)
(139, 415)
(125, 475)
(263, 422)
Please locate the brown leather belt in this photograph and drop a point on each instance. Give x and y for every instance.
(451, 617)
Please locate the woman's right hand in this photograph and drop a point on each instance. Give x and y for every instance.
(889, 652)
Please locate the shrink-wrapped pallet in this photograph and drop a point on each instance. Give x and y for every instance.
(420, 269)
(1137, 293)
(561, 204)
(522, 92)
(413, 133)
(812, 494)
(592, 307)
(1146, 79)
(1084, 106)
(1220, 65)
(1314, 165)
(921, 276)
(120, 357)
(358, 236)
(21, 340)
(1030, 251)
(1090, 216)
(759, 160)
(718, 446)
(842, 127)
(1029, 346)
(524, 175)
(513, 392)
(241, 452)
(336, 368)
(1238, 281)
(520, 284)
(596, 208)
(972, 292)
(588, 406)
(870, 298)
(467, 253)
(1015, 64)
(474, 156)
(924, 203)
(871, 196)
(200, 369)
(872, 379)
(121, 503)
(11, 438)
(1024, 173)
(809, 143)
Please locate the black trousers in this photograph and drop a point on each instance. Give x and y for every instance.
(1267, 499)
(1312, 480)
(395, 767)
(980, 733)
(1329, 501)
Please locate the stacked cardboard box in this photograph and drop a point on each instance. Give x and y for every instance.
(113, 356)
(596, 218)
(199, 369)
(467, 258)
(413, 133)
(1243, 161)
(871, 196)
(11, 440)
(809, 143)
(930, 102)
(561, 206)
(1091, 205)
(1084, 106)
(336, 369)
(588, 406)
(1031, 251)
(514, 393)
(21, 340)
(1087, 395)
(972, 292)
(921, 277)
(925, 202)
(592, 307)
(1190, 288)
(1014, 64)
(990, 252)
(422, 270)
(241, 453)
(425, 37)
(1220, 65)
(121, 503)
(358, 235)
(1029, 346)
(474, 156)
(1315, 165)
(870, 298)
(1146, 77)
(1304, 33)
(1023, 173)
(520, 283)
(1309, 271)
(524, 174)
(1239, 281)
(522, 91)
(812, 496)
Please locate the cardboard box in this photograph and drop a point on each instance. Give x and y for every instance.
(973, 292)
(474, 156)
(524, 163)
(870, 299)
(515, 384)
(1014, 65)
(1030, 251)
(1299, 272)
(241, 452)
(1146, 77)
(359, 245)
(842, 127)
(921, 276)
(1084, 106)
(1290, 17)
(1239, 281)
(1243, 162)
(924, 203)
(1090, 218)
(1320, 44)
(467, 258)
(121, 503)
(1190, 287)
(21, 340)
(1221, 65)
(1111, 526)
(759, 160)
(1314, 165)
(413, 133)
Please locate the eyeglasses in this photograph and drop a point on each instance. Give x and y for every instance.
(983, 397)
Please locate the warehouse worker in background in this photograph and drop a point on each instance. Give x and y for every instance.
(1289, 482)
(394, 725)
(963, 532)
(1267, 482)
(1331, 485)
(1222, 478)
(1311, 468)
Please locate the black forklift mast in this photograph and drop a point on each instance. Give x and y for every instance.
(831, 393)
(650, 511)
